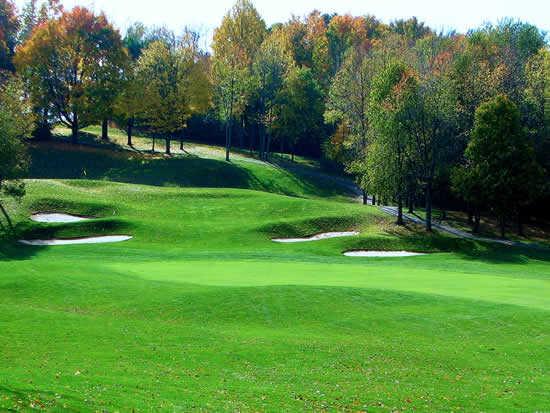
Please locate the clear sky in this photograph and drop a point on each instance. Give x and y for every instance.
(206, 14)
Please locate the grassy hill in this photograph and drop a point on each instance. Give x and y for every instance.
(201, 310)
(65, 161)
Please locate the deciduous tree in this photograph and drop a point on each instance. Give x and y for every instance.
(299, 108)
(270, 67)
(175, 85)
(9, 27)
(236, 43)
(15, 124)
(433, 119)
(393, 98)
(66, 62)
(500, 162)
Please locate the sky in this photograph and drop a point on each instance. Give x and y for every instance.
(205, 15)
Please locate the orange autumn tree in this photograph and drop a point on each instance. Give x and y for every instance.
(65, 63)
(346, 32)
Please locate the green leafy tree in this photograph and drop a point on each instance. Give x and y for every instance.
(411, 29)
(394, 97)
(175, 86)
(347, 106)
(537, 104)
(271, 64)
(35, 13)
(129, 103)
(500, 162)
(9, 27)
(299, 107)
(135, 39)
(492, 61)
(15, 124)
(433, 119)
(236, 43)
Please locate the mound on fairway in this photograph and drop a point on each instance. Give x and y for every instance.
(202, 311)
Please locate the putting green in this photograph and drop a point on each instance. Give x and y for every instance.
(201, 310)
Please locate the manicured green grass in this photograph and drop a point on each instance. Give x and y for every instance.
(202, 311)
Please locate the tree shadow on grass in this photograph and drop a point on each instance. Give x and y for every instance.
(65, 161)
(413, 237)
(54, 160)
(467, 249)
(11, 250)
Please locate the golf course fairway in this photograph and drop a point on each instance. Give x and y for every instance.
(200, 310)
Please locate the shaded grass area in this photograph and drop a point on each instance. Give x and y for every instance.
(65, 161)
(118, 139)
(534, 231)
(200, 310)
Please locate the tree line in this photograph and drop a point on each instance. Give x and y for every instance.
(416, 116)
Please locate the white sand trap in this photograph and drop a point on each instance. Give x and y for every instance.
(382, 254)
(57, 218)
(74, 241)
(318, 237)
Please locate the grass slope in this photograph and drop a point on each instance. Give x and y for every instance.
(199, 165)
(202, 311)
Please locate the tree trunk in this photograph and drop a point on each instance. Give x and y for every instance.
(411, 204)
(365, 198)
(251, 137)
(105, 129)
(477, 223)
(502, 224)
(379, 200)
(8, 219)
(42, 129)
(74, 135)
(228, 132)
(429, 207)
(268, 147)
(129, 130)
(154, 140)
(470, 217)
(241, 132)
(292, 155)
(261, 135)
(167, 145)
(521, 232)
(374, 200)
(181, 140)
(400, 211)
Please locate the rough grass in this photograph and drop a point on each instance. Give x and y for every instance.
(202, 311)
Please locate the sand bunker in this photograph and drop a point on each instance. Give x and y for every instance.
(317, 237)
(57, 218)
(74, 241)
(382, 254)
